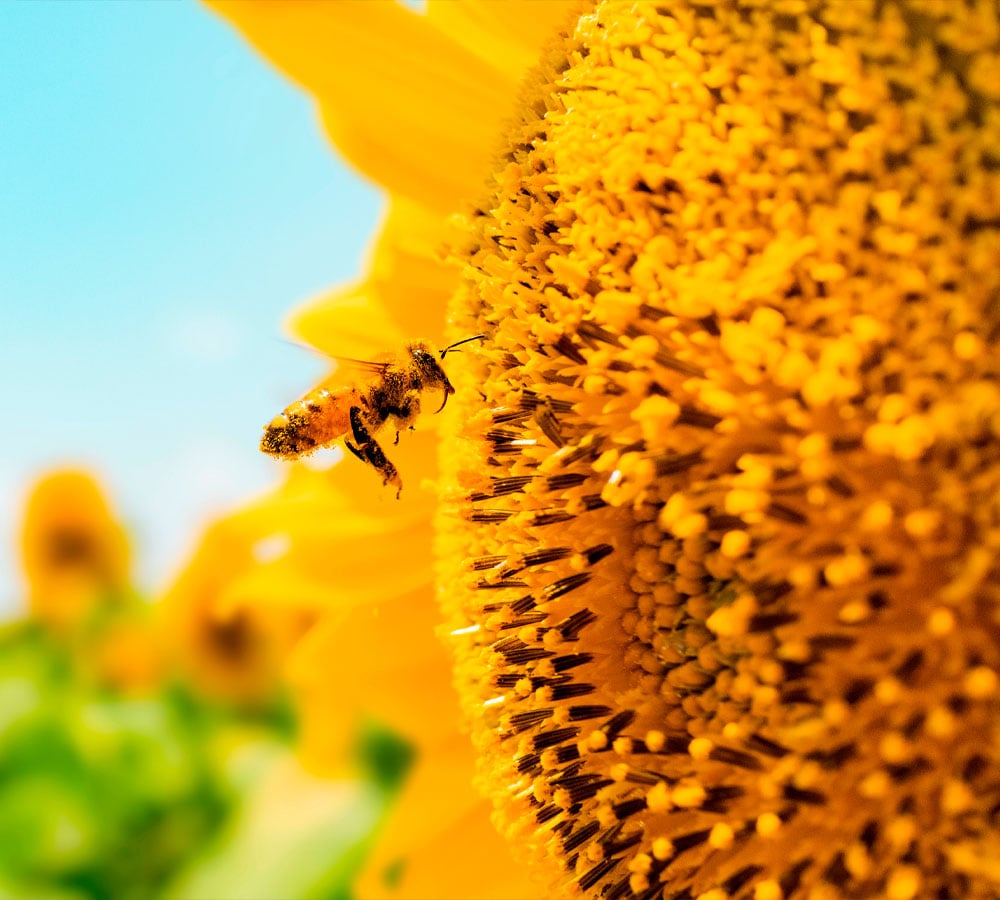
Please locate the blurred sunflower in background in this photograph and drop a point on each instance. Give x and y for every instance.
(145, 751)
(75, 554)
(93, 761)
(717, 517)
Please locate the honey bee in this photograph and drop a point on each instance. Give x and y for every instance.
(384, 390)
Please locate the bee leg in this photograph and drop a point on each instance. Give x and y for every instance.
(395, 443)
(354, 450)
(370, 452)
(358, 429)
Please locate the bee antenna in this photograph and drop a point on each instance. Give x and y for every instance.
(451, 348)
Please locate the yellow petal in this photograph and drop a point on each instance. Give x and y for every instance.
(350, 321)
(403, 296)
(381, 661)
(328, 533)
(404, 103)
(440, 833)
(507, 35)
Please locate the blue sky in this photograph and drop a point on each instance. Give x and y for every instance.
(165, 198)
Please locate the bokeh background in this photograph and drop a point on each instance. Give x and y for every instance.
(165, 199)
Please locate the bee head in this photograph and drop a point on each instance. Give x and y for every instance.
(428, 369)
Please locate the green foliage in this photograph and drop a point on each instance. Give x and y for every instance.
(105, 796)
(384, 756)
(101, 795)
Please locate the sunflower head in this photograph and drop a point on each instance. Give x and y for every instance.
(74, 552)
(232, 651)
(720, 557)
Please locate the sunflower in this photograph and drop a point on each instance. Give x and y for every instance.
(75, 557)
(74, 552)
(719, 516)
(224, 636)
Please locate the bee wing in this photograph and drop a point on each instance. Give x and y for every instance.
(347, 370)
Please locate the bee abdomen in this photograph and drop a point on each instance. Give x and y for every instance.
(308, 424)
(287, 436)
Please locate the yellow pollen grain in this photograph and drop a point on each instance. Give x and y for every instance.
(690, 525)
(655, 741)
(768, 788)
(816, 494)
(875, 785)
(619, 772)
(549, 759)
(656, 416)
(663, 848)
(641, 862)
(713, 894)
(922, 523)
(802, 575)
(767, 824)
(721, 836)
(596, 741)
(794, 651)
(740, 501)
(541, 790)
(901, 831)
(868, 329)
(622, 746)
(857, 861)
(658, 797)
(836, 712)
(877, 516)
(638, 882)
(551, 640)
(735, 544)
(700, 748)
(688, 795)
(823, 388)
(894, 408)
(904, 883)
(854, 612)
(768, 321)
(967, 345)
(734, 731)
(895, 749)
(828, 271)
(980, 683)
(768, 890)
(888, 690)
(941, 621)
(956, 797)
(606, 816)
(887, 204)
(848, 569)
(940, 723)
(813, 445)
(771, 672)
